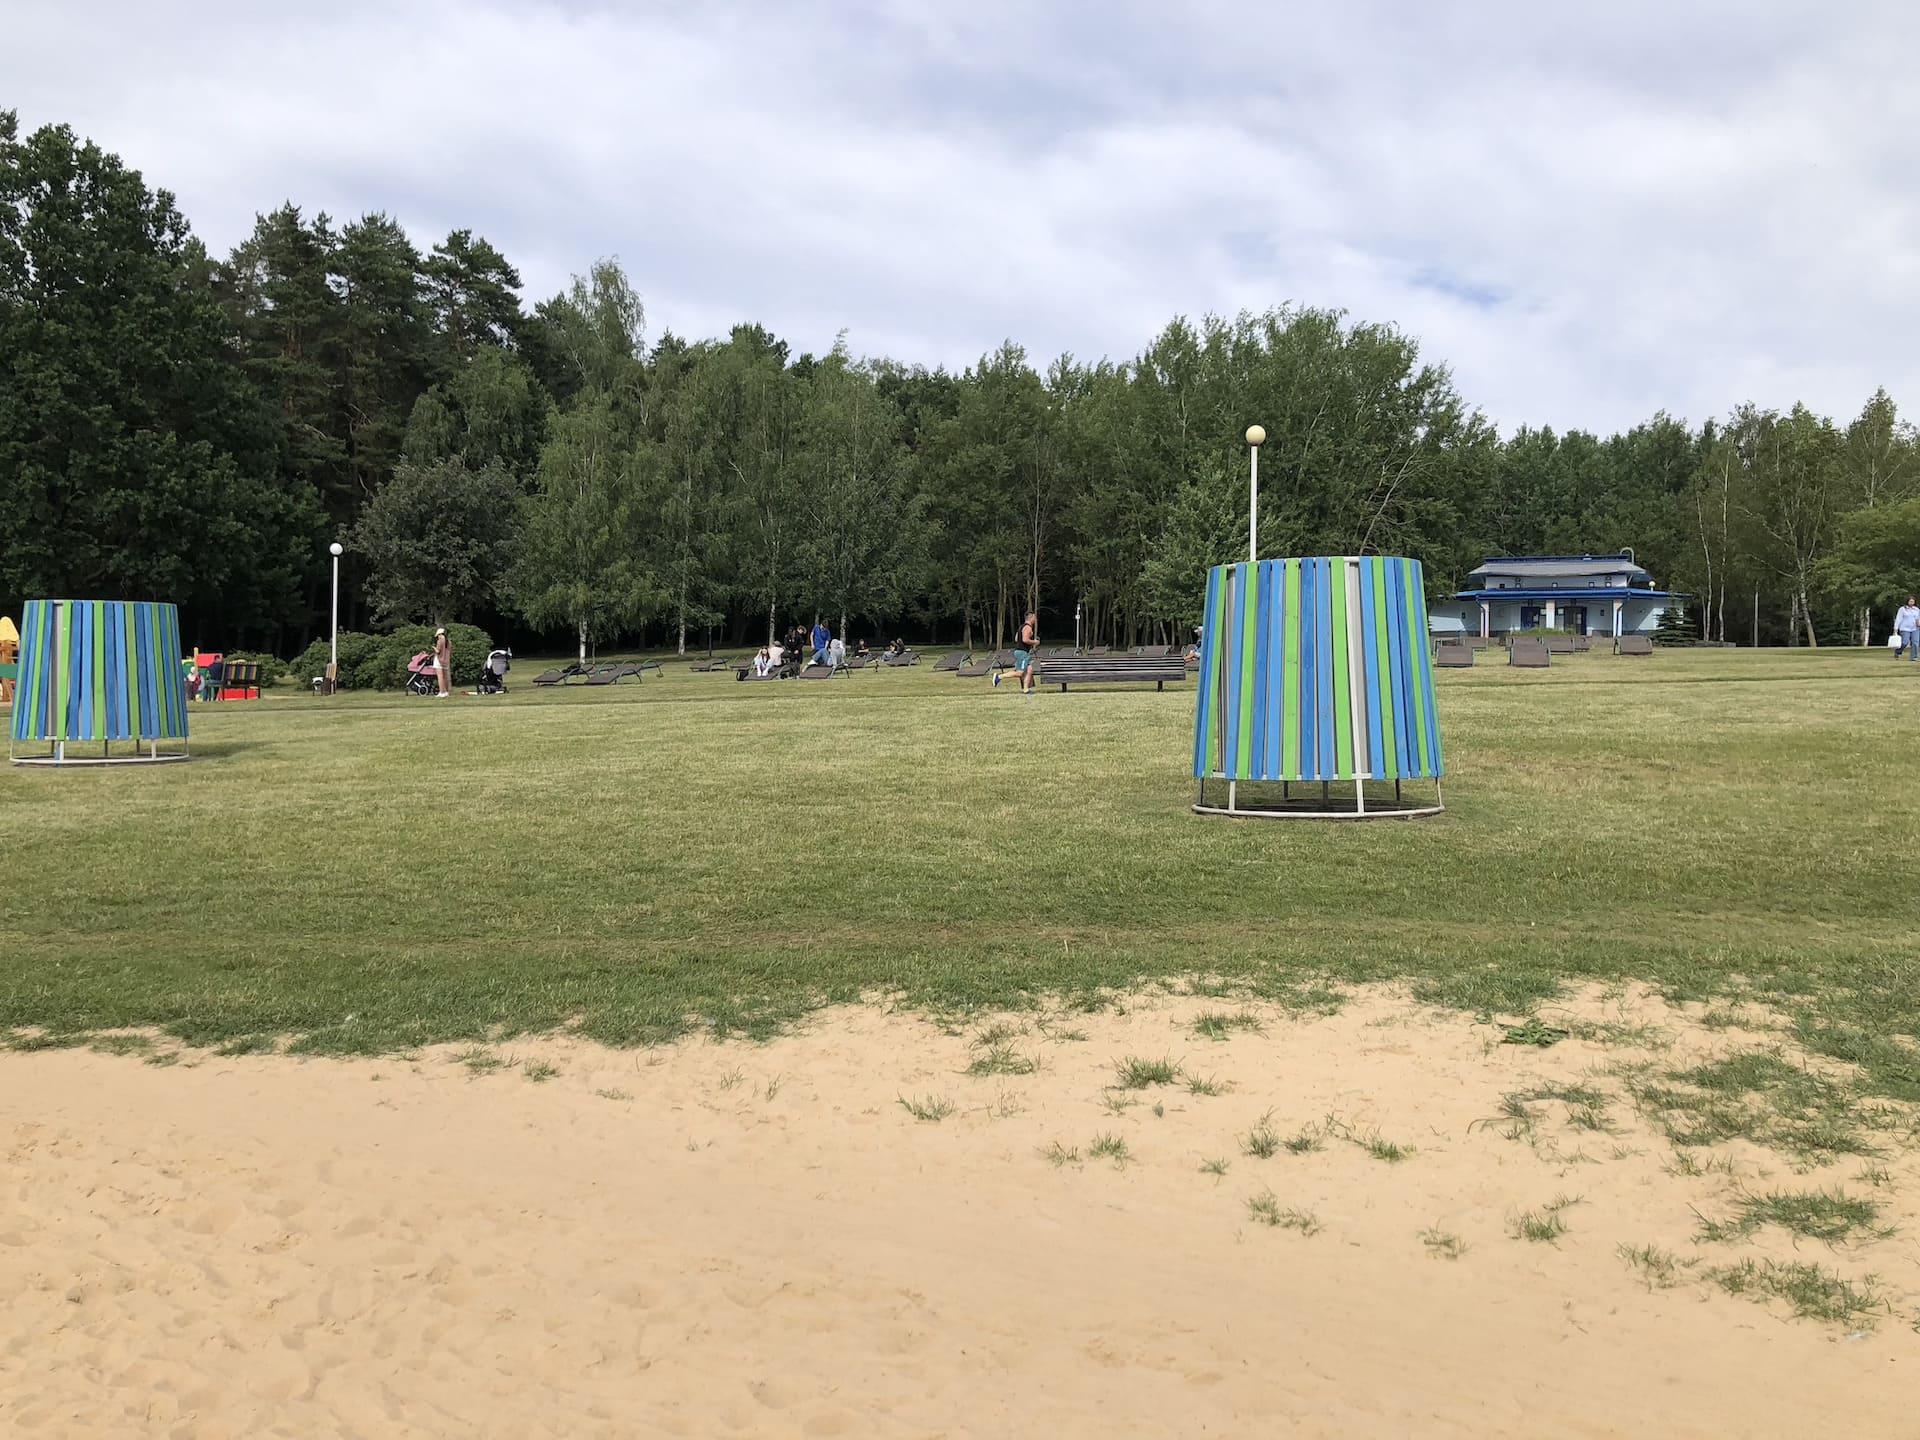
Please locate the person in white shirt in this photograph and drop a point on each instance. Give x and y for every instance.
(1906, 624)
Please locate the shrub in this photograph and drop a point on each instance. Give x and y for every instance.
(379, 662)
(470, 647)
(361, 659)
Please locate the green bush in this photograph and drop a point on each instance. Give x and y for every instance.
(379, 662)
(362, 658)
(470, 647)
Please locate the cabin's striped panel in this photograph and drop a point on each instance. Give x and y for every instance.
(99, 670)
(1316, 669)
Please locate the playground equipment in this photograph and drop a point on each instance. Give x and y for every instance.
(105, 670)
(9, 658)
(1316, 670)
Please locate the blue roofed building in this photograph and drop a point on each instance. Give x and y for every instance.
(1582, 594)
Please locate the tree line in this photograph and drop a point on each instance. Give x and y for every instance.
(179, 426)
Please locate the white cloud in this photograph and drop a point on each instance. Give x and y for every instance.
(1590, 213)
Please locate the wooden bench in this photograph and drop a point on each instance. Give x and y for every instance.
(240, 680)
(1112, 670)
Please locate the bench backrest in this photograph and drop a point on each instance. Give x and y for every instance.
(1453, 657)
(1633, 645)
(1559, 644)
(1528, 654)
(1090, 668)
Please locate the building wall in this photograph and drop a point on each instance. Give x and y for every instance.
(1506, 617)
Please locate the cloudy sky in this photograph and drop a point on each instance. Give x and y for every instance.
(1589, 212)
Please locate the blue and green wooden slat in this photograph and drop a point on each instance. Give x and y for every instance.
(1316, 669)
(99, 670)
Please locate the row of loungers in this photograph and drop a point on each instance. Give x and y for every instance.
(1534, 652)
(611, 672)
(954, 662)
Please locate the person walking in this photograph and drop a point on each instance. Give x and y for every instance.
(443, 662)
(1026, 648)
(1906, 624)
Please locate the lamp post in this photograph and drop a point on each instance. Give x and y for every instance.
(333, 645)
(1256, 437)
(1076, 627)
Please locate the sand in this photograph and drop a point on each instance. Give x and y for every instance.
(730, 1239)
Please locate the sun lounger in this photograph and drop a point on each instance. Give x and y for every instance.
(1453, 657)
(1527, 654)
(952, 660)
(712, 664)
(1633, 645)
(908, 657)
(1559, 644)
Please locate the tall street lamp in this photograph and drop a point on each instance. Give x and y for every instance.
(333, 646)
(1256, 437)
(1076, 627)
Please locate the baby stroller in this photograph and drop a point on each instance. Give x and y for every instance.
(420, 677)
(493, 675)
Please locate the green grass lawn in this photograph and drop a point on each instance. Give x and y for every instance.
(365, 872)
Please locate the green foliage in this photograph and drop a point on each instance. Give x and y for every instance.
(1876, 556)
(135, 460)
(193, 430)
(379, 662)
(582, 561)
(439, 539)
(1676, 626)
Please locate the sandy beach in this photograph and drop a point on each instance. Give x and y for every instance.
(736, 1239)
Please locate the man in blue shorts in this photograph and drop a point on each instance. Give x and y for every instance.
(1026, 649)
